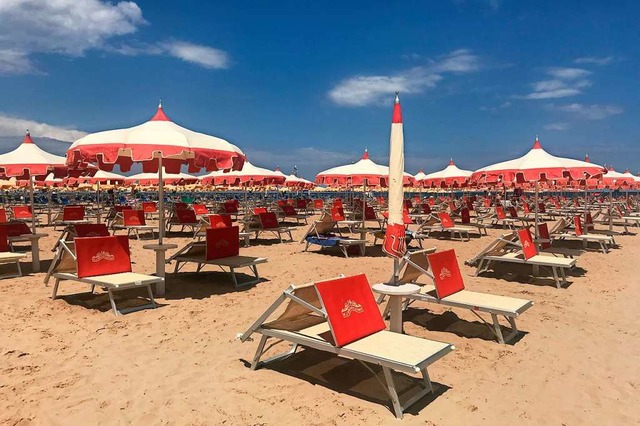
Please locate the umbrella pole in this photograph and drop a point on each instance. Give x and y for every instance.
(160, 204)
(98, 203)
(536, 210)
(33, 210)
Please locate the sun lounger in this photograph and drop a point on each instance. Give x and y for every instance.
(100, 261)
(268, 222)
(132, 221)
(219, 221)
(221, 248)
(289, 212)
(449, 290)
(70, 215)
(443, 223)
(320, 233)
(604, 241)
(502, 219)
(185, 218)
(465, 219)
(7, 257)
(341, 317)
(23, 214)
(525, 253)
(150, 209)
(337, 214)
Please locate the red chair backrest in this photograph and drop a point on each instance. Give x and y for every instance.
(220, 221)
(500, 212)
(149, 207)
(22, 212)
(289, 210)
(577, 222)
(542, 208)
(370, 213)
(588, 219)
(526, 208)
(3, 215)
(134, 218)
(15, 229)
(120, 209)
(269, 220)
(91, 230)
(432, 202)
(465, 216)
(486, 202)
(102, 255)
(200, 208)
(445, 219)
(528, 247)
(405, 217)
(426, 208)
(222, 242)
(230, 207)
(282, 203)
(318, 204)
(4, 239)
(180, 206)
(337, 214)
(186, 216)
(301, 204)
(446, 273)
(259, 210)
(337, 202)
(469, 204)
(543, 232)
(408, 203)
(352, 312)
(72, 213)
(513, 213)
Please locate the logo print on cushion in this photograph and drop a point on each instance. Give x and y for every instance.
(269, 220)
(22, 212)
(73, 213)
(351, 306)
(529, 249)
(337, 214)
(394, 240)
(103, 255)
(134, 218)
(200, 209)
(444, 273)
(445, 219)
(149, 207)
(335, 294)
(16, 229)
(448, 279)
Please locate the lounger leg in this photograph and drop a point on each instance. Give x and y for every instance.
(496, 328)
(427, 380)
(256, 357)
(54, 294)
(397, 408)
(113, 302)
(153, 300)
(233, 277)
(555, 277)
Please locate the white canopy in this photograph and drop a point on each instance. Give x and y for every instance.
(449, 176)
(29, 160)
(364, 171)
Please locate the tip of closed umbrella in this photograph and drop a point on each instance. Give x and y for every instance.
(27, 137)
(397, 111)
(536, 144)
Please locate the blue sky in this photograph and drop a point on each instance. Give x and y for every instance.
(311, 83)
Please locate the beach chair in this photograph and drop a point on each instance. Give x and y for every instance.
(7, 257)
(337, 214)
(340, 316)
(221, 248)
(501, 218)
(545, 243)
(103, 262)
(185, 218)
(320, 233)
(230, 207)
(219, 221)
(526, 253)
(465, 219)
(268, 222)
(70, 215)
(23, 214)
(132, 221)
(200, 209)
(448, 290)
(150, 209)
(561, 233)
(289, 212)
(448, 226)
(20, 232)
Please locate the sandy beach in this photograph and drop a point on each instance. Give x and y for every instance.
(71, 361)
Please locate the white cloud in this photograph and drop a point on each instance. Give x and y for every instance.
(565, 82)
(557, 126)
(73, 27)
(606, 60)
(374, 89)
(13, 126)
(591, 112)
(205, 56)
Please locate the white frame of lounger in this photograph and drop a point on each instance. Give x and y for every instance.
(321, 345)
(510, 316)
(224, 261)
(343, 243)
(95, 281)
(15, 258)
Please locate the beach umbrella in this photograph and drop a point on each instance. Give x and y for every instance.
(151, 179)
(293, 181)
(450, 176)
(101, 177)
(615, 179)
(394, 240)
(249, 174)
(157, 144)
(364, 172)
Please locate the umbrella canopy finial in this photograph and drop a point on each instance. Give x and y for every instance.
(160, 115)
(586, 158)
(27, 137)
(451, 163)
(397, 110)
(365, 155)
(536, 144)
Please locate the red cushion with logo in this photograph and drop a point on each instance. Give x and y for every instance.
(543, 232)
(73, 213)
(149, 207)
(337, 214)
(370, 213)
(500, 213)
(269, 220)
(446, 273)
(578, 225)
(91, 230)
(351, 309)
(220, 221)
(513, 213)
(200, 208)
(526, 208)
(222, 242)
(528, 247)
(432, 202)
(445, 219)
(134, 218)
(22, 212)
(230, 207)
(102, 255)
(426, 208)
(465, 216)
(259, 210)
(289, 210)
(3, 216)
(318, 204)
(180, 206)
(337, 202)
(186, 216)
(301, 204)
(405, 217)
(15, 229)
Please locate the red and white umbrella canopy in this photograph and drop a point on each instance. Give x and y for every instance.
(419, 176)
(448, 177)
(618, 179)
(536, 165)
(630, 175)
(102, 177)
(363, 172)
(29, 160)
(248, 174)
(158, 137)
(146, 179)
(293, 181)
